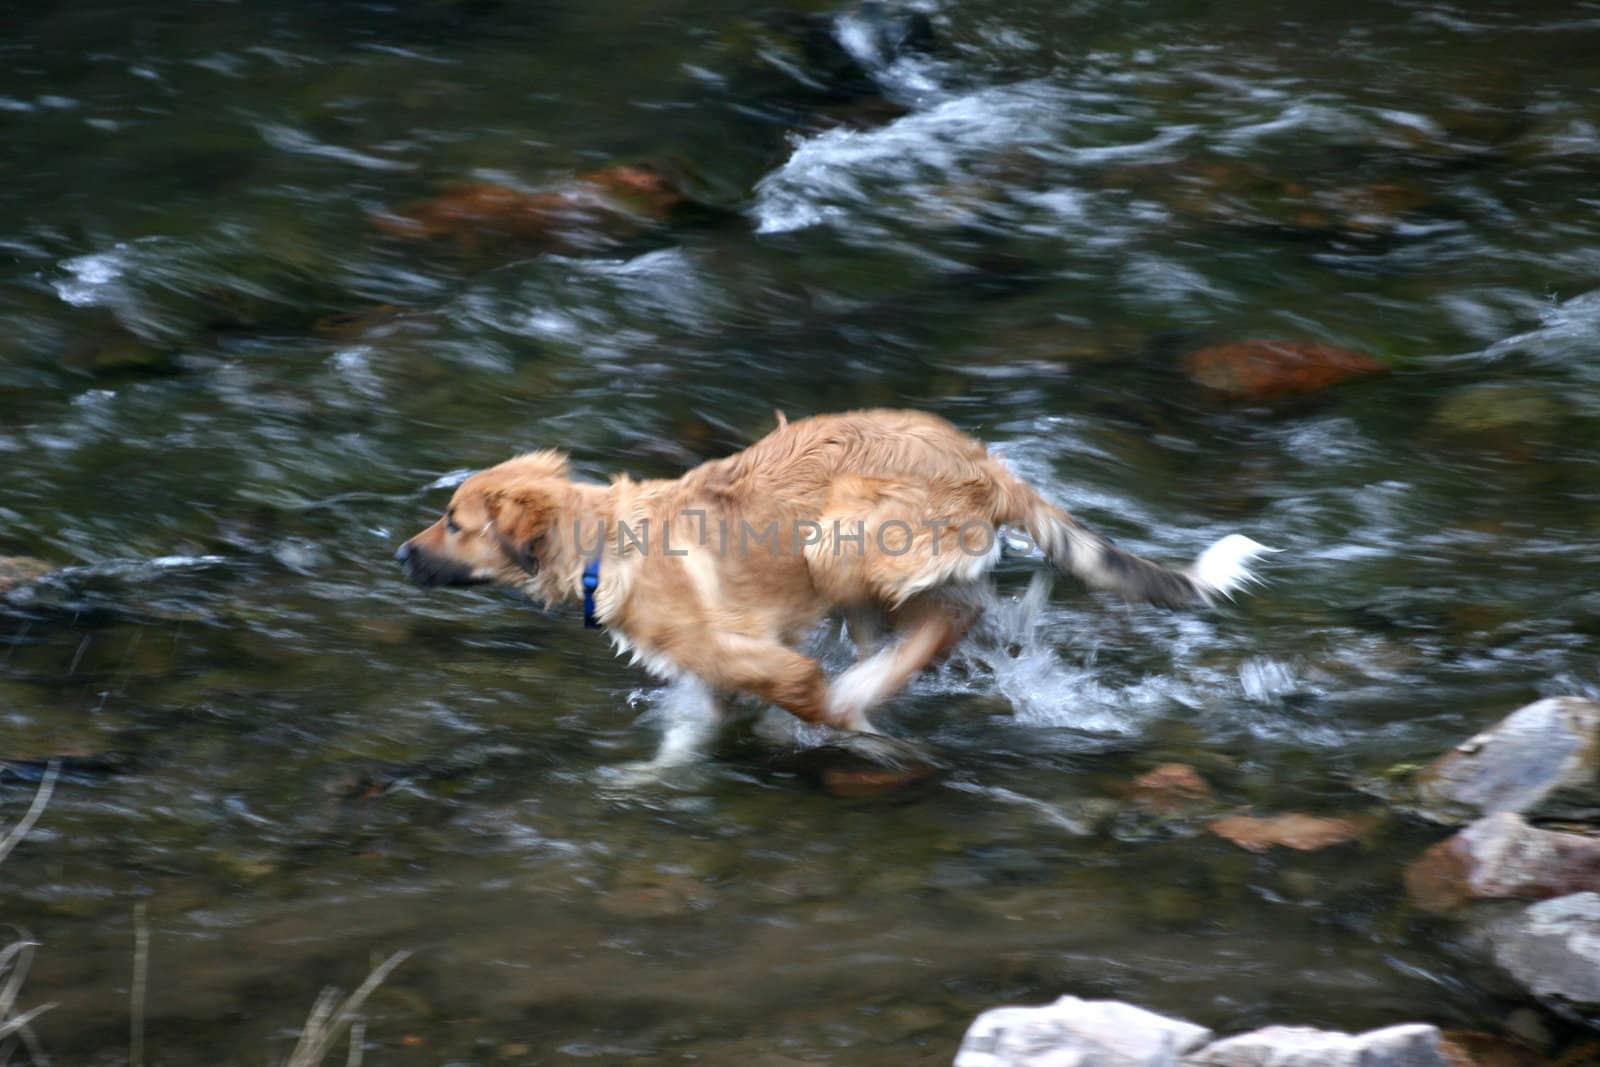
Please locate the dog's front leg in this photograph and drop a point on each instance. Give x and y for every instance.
(866, 629)
(926, 630)
(690, 718)
(690, 715)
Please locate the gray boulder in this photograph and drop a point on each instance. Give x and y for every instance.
(1411, 1045)
(1549, 747)
(1503, 858)
(1078, 1033)
(1552, 949)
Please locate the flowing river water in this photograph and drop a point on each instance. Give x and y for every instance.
(228, 391)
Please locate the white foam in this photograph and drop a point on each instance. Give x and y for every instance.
(1266, 680)
(1566, 338)
(918, 154)
(94, 277)
(289, 139)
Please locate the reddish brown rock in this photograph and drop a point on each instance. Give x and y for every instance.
(1376, 208)
(20, 570)
(1170, 789)
(872, 781)
(1503, 858)
(595, 209)
(641, 188)
(1270, 370)
(1463, 1048)
(470, 211)
(860, 764)
(1306, 833)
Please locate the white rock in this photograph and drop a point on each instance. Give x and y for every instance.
(1411, 1045)
(1515, 765)
(1078, 1033)
(1553, 949)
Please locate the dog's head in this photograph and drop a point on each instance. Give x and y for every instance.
(497, 528)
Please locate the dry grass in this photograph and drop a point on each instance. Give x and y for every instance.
(329, 1021)
(17, 957)
(47, 786)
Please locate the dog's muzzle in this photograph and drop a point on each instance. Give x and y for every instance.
(428, 570)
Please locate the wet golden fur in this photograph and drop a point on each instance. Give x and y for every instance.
(704, 602)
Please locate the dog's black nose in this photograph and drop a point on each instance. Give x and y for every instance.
(403, 553)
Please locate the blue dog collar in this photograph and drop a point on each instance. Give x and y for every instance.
(591, 582)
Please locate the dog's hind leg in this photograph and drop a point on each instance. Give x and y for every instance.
(866, 629)
(926, 629)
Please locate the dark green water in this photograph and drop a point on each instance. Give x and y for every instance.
(299, 763)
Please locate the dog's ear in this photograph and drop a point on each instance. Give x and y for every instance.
(544, 464)
(521, 519)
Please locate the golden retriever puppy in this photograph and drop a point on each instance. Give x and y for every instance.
(713, 579)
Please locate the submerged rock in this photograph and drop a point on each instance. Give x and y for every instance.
(663, 897)
(1553, 950)
(857, 764)
(1467, 1048)
(1171, 789)
(1249, 195)
(1497, 407)
(473, 212)
(1273, 369)
(1078, 1033)
(347, 326)
(107, 348)
(871, 781)
(643, 189)
(1410, 1045)
(1063, 343)
(799, 58)
(17, 571)
(592, 212)
(1305, 833)
(80, 767)
(1522, 764)
(1502, 857)
(1516, 420)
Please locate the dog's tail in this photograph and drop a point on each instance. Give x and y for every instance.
(1219, 572)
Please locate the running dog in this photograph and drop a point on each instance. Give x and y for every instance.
(713, 580)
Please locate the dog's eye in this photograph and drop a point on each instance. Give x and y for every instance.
(450, 522)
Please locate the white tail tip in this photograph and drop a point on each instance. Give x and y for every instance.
(1224, 568)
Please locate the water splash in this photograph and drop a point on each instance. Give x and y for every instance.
(828, 177)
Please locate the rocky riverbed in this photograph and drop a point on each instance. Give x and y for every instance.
(1542, 762)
